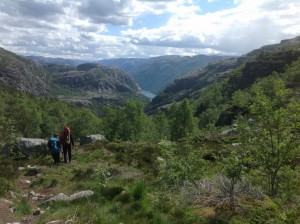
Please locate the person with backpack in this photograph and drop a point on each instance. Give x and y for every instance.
(54, 148)
(67, 141)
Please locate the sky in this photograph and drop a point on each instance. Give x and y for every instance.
(100, 29)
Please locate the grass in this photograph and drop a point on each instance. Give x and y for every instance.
(127, 192)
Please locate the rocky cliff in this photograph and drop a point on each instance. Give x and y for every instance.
(22, 74)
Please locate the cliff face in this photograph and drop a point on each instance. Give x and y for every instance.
(22, 74)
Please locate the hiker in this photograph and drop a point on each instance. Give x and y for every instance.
(54, 148)
(67, 141)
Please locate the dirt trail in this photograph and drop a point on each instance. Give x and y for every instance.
(23, 189)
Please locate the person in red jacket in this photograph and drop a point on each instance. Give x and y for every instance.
(67, 142)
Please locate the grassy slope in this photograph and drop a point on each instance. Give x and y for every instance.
(128, 189)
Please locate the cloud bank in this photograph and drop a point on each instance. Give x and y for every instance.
(97, 29)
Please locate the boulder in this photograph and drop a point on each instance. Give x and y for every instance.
(160, 163)
(91, 139)
(63, 197)
(27, 147)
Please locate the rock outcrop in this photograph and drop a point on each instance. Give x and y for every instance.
(91, 139)
(26, 147)
(22, 74)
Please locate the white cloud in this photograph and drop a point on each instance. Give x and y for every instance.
(83, 29)
(234, 31)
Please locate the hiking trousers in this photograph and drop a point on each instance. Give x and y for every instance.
(67, 153)
(55, 156)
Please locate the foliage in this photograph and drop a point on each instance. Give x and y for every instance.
(182, 163)
(39, 117)
(276, 123)
(124, 123)
(139, 191)
(182, 121)
(233, 168)
(161, 126)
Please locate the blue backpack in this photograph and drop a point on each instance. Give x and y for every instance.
(53, 145)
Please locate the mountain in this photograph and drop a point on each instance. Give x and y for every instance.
(87, 84)
(22, 74)
(154, 74)
(47, 60)
(91, 82)
(240, 72)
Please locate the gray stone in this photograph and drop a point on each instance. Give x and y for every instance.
(81, 194)
(63, 197)
(27, 147)
(60, 197)
(228, 132)
(160, 163)
(91, 139)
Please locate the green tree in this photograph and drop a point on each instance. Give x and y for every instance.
(233, 168)
(85, 122)
(124, 123)
(276, 129)
(182, 122)
(161, 125)
(112, 119)
(133, 121)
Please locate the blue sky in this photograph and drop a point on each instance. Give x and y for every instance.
(98, 29)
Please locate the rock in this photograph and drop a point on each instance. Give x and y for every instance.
(63, 197)
(160, 163)
(228, 132)
(81, 194)
(60, 197)
(235, 144)
(27, 147)
(34, 198)
(36, 212)
(12, 195)
(32, 171)
(91, 139)
(25, 181)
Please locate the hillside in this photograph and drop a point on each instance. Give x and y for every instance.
(92, 84)
(22, 74)
(226, 152)
(84, 85)
(240, 72)
(154, 74)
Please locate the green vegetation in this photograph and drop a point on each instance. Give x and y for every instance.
(181, 165)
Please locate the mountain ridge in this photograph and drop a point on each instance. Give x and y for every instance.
(241, 72)
(86, 84)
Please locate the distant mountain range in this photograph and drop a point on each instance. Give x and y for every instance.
(87, 84)
(152, 74)
(91, 84)
(241, 73)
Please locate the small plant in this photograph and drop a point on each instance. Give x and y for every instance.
(139, 191)
(23, 207)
